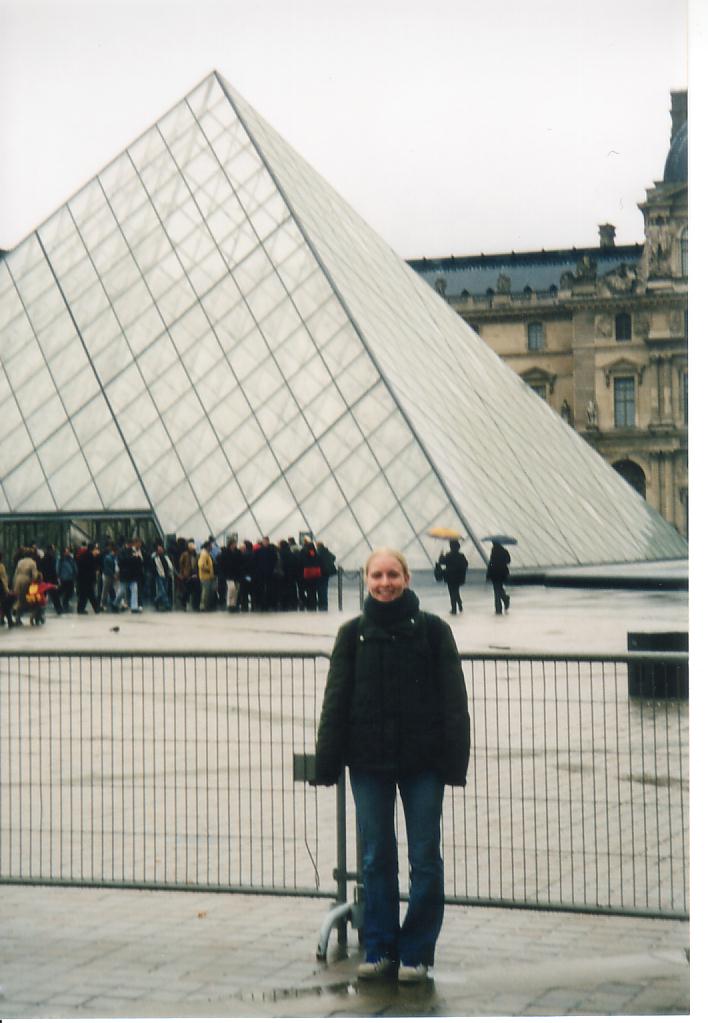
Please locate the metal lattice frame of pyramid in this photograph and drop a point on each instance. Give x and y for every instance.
(206, 332)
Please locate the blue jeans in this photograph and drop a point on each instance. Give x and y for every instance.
(161, 594)
(323, 593)
(412, 942)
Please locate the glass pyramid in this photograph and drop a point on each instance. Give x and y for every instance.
(207, 333)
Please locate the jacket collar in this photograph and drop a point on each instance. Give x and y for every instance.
(399, 617)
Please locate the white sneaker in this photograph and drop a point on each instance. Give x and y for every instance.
(412, 974)
(375, 970)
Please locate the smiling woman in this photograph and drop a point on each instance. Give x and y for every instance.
(387, 574)
(395, 712)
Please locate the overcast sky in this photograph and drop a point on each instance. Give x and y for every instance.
(461, 127)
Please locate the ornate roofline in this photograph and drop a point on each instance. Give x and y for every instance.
(521, 258)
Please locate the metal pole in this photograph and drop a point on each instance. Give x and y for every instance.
(342, 857)
(357, 915)
(340, 578)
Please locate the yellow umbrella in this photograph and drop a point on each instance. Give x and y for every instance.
(443, 533)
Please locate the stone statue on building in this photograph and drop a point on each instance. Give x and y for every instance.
(640, 325)
(566, 412)
(592, 412)
(677, 322)
(658, 244)
(618, 281)
(604, 325)
(586, 269)
(503, 284)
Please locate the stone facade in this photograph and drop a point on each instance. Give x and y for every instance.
(600, 333)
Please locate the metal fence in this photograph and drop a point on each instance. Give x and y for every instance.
(578, 792)
(176, 771)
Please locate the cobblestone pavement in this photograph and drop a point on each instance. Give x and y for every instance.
(87, 953)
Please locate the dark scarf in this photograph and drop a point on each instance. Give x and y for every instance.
(388, 613)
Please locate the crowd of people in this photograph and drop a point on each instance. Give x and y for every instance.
(129, 574)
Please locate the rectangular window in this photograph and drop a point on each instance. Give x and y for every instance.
(624, 401)
(535, 336)
(539, 389)
(685, 399)
(623, 327)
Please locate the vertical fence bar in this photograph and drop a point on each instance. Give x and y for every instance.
(143, 767)
(28, 772)
(341, 856)
(684, 856)
(239, 688)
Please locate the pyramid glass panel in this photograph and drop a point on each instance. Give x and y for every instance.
(208, 334)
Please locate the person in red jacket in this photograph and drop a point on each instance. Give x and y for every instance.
(311, 572)
(37, 599)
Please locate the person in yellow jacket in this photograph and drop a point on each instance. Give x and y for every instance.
(207, 578)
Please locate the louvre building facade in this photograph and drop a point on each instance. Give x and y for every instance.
(206, 339)
(600, 333)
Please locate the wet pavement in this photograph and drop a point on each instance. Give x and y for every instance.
(83, 953)
(96, 953)
(541, 619)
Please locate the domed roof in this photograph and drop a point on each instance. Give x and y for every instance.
(676, 166)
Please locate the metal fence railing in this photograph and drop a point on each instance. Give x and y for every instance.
(161, 771)
(578, 792)
(176, 771)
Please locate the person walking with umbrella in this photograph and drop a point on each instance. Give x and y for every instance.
(454, 565)
(497, 574)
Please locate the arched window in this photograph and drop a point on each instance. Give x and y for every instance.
(535, 336)
(633, 474)
(623, 327)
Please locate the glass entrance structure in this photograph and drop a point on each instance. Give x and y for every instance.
(208, 336)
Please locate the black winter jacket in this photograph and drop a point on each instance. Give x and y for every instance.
(130, 565)
(395, 702)
(455, 564)
(232, 563)
(498, 567)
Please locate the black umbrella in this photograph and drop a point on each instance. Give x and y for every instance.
(501, 538)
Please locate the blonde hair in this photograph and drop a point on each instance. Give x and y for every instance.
(391, 553)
